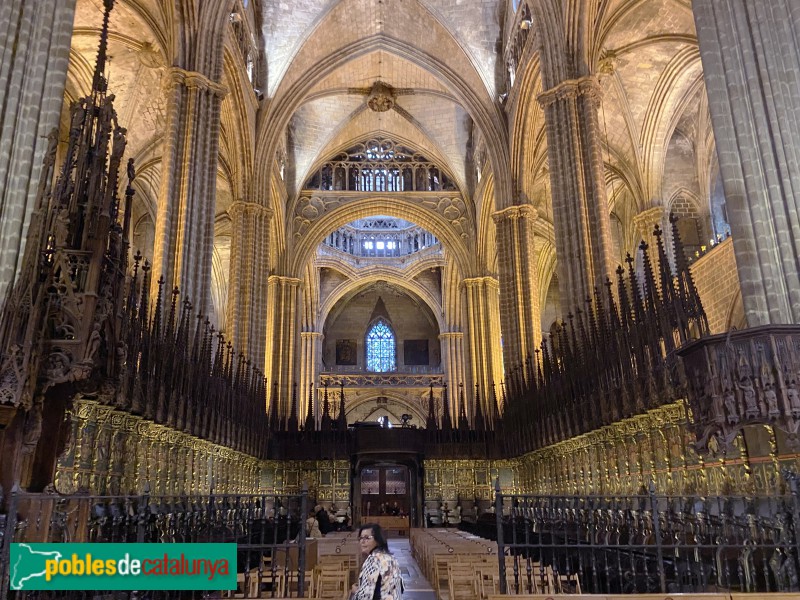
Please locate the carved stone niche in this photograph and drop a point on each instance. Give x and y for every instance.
(748, 377)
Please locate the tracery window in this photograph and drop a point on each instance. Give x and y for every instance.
(381, 354)
(380, 165)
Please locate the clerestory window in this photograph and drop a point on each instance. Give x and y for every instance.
(381, 355)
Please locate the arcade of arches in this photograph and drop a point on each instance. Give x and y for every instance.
(403, 221)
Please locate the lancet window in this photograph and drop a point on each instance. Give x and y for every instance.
(381, 348)
(380, 165)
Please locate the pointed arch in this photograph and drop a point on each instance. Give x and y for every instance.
(380, 343)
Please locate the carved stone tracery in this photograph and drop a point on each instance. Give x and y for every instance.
(450, 206)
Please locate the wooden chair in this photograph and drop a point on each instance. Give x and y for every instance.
(332, 584)
(461, 582)
(568, 584)
(441, 563)
(291, 584)
(485, 581)
(260, 585)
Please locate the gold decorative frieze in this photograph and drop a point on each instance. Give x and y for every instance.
(656, 446)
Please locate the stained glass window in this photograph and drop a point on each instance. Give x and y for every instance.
(380, 347)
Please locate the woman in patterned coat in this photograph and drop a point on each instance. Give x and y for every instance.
(380, 574)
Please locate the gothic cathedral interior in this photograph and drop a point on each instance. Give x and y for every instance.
(396, 255)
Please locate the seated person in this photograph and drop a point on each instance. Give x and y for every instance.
(312, 527)
(324, 521)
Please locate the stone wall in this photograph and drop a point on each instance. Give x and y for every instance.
(716, 278)
(411, 320)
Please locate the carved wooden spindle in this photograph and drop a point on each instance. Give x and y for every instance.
(446, 422)
(274, 415)
(463, 424)
(430, 422)
(310, 424)
(326, 411)
(479, 423)
(341, 418)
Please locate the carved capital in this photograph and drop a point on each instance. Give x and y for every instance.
(587, 86)
(249, 208)
(196, 81)
(478, 282)
(451, 336)
(282, 280)
(518, 211)
(646, 221)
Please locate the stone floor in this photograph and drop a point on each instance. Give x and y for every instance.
(416, 586)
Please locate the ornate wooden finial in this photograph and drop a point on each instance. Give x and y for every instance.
(99, 82)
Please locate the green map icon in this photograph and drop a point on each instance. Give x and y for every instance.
(28, 565)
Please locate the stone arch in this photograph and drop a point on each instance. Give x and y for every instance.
(330, 152)
(476, 102)
(486, 231)
(685, 204)
(383, 274)
(236, 134)
(662, 117)
(309, 237)
(371, 396)
(197, 34)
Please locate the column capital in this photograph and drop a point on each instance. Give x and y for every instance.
(482, 281)
(646, 221)
(250, 207)
(588, 86)
(517, 211)
(311, 334)
(451, 335)
(196, 80)
(283, 280)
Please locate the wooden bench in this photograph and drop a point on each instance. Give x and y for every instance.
(396, 525)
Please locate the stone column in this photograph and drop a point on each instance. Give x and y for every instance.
(580, 207)
(249, 266)
(519, 290)
(483, 316)
(187, 197)
(310, 355)
(34, 57)
(454, 364)
(282, 326)
(645, 222)
(751, 63)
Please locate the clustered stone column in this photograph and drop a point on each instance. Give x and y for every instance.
(454, 363)
(751, 63)
(646, 221)
(249, 268)
(35, 40)
(580, 207)
(483, 316)
(282, 327)
(519, 290)
(310, 358)
(187, 197)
